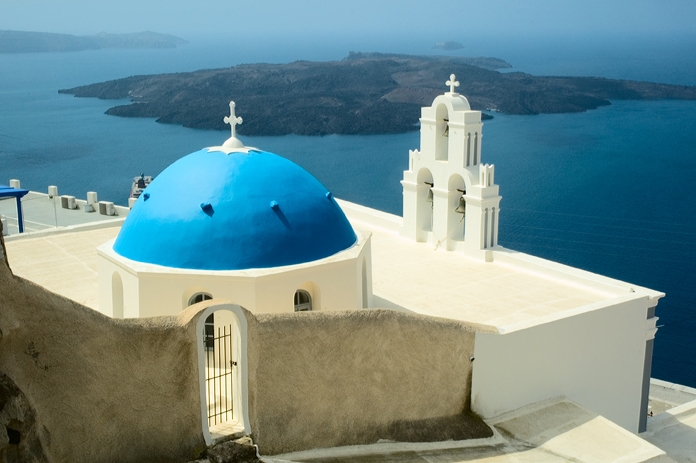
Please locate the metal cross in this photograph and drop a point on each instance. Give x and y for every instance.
(452, 83)
(234, 120)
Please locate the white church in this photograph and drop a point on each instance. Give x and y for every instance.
(262, 232)
(235, 236)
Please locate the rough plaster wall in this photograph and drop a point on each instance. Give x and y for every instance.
(80, 386)
(324, 379)
(93, 388)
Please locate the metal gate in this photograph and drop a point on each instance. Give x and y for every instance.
(218, 373)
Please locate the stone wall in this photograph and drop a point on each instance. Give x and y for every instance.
(354, 377)
(78, 386)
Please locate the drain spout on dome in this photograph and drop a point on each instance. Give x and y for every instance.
(208, 209)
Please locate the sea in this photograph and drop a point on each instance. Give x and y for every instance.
(607, 190)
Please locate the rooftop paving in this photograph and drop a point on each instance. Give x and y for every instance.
(405, 274)
(408, 274)
(65, 263)
(450, 285)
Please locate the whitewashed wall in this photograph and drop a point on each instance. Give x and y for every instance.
(334, 283)
(595, 358)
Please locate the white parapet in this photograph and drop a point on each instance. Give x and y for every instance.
(14, 183)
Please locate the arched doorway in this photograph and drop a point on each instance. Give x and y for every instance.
(223, 373)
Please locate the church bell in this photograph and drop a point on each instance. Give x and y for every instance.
(430, 192)
(461, 208)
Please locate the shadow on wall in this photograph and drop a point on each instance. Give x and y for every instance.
(325, 379)
(79, 386)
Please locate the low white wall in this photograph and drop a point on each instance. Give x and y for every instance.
(595, 358)
(573, 275)
(105, 270)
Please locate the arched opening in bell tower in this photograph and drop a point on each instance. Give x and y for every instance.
(424, 204)
(456, 210)
(441, 132)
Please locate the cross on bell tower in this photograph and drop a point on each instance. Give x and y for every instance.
(452, 83)
(232, 119)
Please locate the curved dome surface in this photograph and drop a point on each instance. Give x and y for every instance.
(215, 211)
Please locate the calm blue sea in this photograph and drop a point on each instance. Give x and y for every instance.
(608, 190)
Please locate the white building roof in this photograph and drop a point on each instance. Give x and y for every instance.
(513, 291)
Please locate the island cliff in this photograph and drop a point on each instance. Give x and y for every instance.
(32, 42)
(362, 94)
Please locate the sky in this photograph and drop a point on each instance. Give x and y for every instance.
(321, 18)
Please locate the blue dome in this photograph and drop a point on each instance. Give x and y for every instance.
(215, 211)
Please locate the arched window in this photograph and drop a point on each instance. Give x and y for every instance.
(303, 301)
(209, 322)
(199, 297)
(116, 295)
(476, 143)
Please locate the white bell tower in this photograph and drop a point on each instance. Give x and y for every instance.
(450, 198)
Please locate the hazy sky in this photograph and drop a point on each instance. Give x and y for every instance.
(448, 19)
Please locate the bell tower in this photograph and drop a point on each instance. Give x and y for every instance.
(450, 198)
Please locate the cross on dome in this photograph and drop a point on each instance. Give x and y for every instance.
(234, 120)
(452, 83)
(232, 144)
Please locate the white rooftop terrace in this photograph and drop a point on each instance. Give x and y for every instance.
(513, 291)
